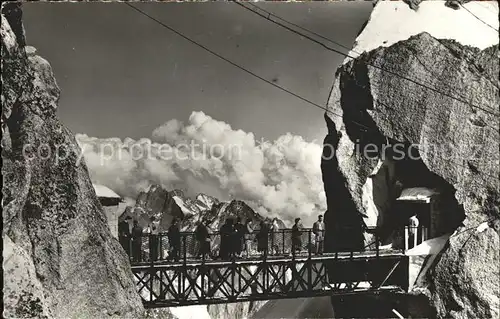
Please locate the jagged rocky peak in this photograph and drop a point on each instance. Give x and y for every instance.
(441, 97)
(56, 241)
(167, 205)
(208, 201)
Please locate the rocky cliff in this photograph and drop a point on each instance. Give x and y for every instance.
(435, 104)
(60, 260)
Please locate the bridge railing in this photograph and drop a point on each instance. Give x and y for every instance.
(147, 248)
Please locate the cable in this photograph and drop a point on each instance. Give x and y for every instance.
(238, 66)
(257, 76)
(375, 66)
(475, 16)
(362, 86)
(302, 28)
(352, 50)
(339, 44)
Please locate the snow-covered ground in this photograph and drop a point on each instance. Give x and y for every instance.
(393, 21)
(422, 257)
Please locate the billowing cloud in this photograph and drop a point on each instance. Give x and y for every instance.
(277, 178)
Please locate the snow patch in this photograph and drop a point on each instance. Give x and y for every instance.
(394, 21)
(190, 312)
(417, 194)
(482, 227)
(429, 247)
(419, 263)
(182, 205)
(103, 191)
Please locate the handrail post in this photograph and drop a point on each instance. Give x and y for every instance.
(415, 236)
(310, 243)
(406, 238)
(283, 242)
(309, 262)
(151, 269)
(130, 249)
(185, 250)
(233, 273)
(160, 252)
(184, 261)
(202, 270)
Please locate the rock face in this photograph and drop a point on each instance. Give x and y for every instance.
(446, 128)
(60, 259)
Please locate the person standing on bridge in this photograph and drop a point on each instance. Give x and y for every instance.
(124, 234)
(262, 238)
(319, 234)
(226, 235)
(296, 236)
(239, 237)
(203, 238)
(174, 239)
(248, 237)
(153, 230)
(413, 231)
(137, 242)
(275, 237)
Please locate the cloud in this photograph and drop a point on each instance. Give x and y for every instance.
(277, 178)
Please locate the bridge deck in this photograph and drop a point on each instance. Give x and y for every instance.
(255, 260)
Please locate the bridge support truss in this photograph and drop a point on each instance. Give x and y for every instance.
(197, 282)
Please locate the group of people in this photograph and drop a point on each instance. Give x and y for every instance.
(131, 238)
(237, 238)
(317, 242)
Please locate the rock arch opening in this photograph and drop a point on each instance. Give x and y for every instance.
(401, 185)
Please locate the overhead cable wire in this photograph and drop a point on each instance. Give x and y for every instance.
(237, 65)
(455, 91)
(370, 64)
(252, 73)
(475, 16)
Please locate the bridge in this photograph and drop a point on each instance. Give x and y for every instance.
(277, 273)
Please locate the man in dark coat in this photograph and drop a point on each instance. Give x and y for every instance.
(262, 238)
(174, 239)
(136, 242)
(124, 234)
(203, 237)
(239, 237)
(296, 236)
(226, 235)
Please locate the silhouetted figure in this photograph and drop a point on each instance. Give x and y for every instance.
(319, 234)
(153, 231)
(248, 237)
(275, 236)
(203, 237)
(296, 236)
(239, 237)
(136, 242)
(174, 239)
(262, 238)
(413, 225)
(226, 235)
(124, 234)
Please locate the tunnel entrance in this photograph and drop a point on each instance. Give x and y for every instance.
(404, 192)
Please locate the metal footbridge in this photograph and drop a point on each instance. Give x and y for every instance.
(278, 273)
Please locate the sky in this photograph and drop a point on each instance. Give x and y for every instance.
(131, 89)
(122, 74)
